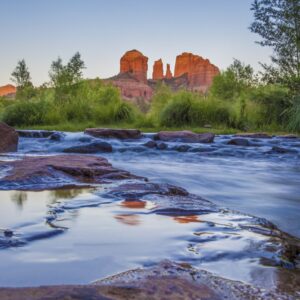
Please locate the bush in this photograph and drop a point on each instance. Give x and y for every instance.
(26, 113)
(294, 114)
(187, 108)
(273, 103)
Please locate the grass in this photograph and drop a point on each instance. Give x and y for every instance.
(75, 127)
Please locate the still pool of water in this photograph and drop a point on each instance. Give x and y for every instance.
(100, 241)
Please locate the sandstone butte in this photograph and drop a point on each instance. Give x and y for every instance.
(192, 72)
(7, 90)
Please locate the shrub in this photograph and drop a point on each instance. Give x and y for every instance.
(273, 103)
(294, 113)
(124, 112)
(187, 108)
(26, 113)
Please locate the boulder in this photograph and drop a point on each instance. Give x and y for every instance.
(61, 171)
(161, 146)
(57, 136)
(184, 136)
(114, 133)
(90, 148)
(150, 144)
(182, 148)
(257, 135)
(282, 150)
(288, 136)
(158, 70)
(239, 142)
(8, 138)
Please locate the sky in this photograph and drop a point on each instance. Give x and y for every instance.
(103, 30)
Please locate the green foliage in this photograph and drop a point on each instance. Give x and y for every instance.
(160, 99)
(294, 113)
(66, 78)
(188, 108)
(22, 79)
(273, 102)
(230, 84)
(278, 24)
(26, 113)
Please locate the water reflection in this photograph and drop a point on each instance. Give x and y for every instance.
(65, 194)
(19, 197)
(132, 220)
(186, 219)
(134, 204)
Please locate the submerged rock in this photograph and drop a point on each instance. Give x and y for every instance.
(282, 150)
(239, 142)
(90, 148)
(288, 136)
(114, 133)
(184, 136)
(150, 144)
(182, 148)
(54, 172)
(57, 136)
(258, 135)
(8, 138)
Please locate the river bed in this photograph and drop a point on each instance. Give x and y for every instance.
(96, 236)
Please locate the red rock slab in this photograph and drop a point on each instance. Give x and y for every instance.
(8, 138)
(185, 136)
(255, 135)
(52, 172)
(114, 133)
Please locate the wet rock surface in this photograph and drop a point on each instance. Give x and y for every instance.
(258, 135)
(8, 138)
(53, 172)
(114, 133)
(166, 280)
(239, 142)
(96, 147)
(184, 137)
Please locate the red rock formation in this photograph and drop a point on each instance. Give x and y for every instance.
(7, 90)
(192, 72)
(199, 70)
(169, 74)
(135, 63)
(131, 88)
(158, 70)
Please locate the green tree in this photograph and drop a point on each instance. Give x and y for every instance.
(21, 77)
(231, 83)
(278, 24)
(65, 78)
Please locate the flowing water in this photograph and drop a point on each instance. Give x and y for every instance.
(94, 236)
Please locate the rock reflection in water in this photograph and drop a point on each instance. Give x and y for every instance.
(186, 219)
(132, 220)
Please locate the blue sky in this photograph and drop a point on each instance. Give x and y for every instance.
(102, 30)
